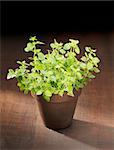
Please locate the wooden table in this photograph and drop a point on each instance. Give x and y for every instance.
(93, 123)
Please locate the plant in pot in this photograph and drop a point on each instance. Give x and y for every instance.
(56, 78)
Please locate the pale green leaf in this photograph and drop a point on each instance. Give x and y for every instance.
(74, 41)
(62, 51)
(88, 49)
(36, 51)
(47, 93)
(30, 47)
(39, 92)
(96, 60)
(41, 56)
(89, 66)
(33, 38)
(83, 65)
(96, 70)
(91, 76)
(83, 58)
(66, 46)
(11, 74)
(47, 98)
(52, 45)
(77, 50)
(79, 75)
(39, 42)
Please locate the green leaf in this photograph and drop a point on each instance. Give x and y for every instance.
(22, 87)
(55, 41)
(30, 47)
(47, 93)
(56, 45)
(11, 74)
(23, 63)
(62, 51)
(20, 62)
(88, 49)
(41, 56)
(70, 90)
(36, 51)
(70, 93)
(39, 42)
(83, 58)
(26, 91)
(89, 66)
(33, 38)
(61, 92)
(96, 60)
(96, 70)
(79, 75)
(83, 65)
(94, 50)
(66, 46)
(46, 98)
(91, 76)
(33, 91)
(39, 92)
(74, 41)
(86, 54)
(52, 45)
(90, 56)
(39, 67)
(77, 50)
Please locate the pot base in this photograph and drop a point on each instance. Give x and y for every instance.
(58, 113)
(58, 127)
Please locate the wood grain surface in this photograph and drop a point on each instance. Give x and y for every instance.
(93, 123)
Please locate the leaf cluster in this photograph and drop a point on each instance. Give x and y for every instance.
(57, 72)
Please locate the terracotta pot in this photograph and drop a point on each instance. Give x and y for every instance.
(58, 113)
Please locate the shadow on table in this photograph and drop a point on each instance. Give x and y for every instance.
(99, 136)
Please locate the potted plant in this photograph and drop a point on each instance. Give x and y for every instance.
(56, 78)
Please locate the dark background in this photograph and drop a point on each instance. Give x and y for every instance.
(55, 16)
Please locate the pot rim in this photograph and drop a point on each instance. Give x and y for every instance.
(74, 98)
(57, 102)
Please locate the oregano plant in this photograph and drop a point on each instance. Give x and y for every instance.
(58, 71)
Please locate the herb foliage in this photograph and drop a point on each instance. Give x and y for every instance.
(56, 72)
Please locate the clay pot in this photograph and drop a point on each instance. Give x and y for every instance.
(58, 113)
